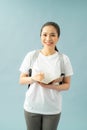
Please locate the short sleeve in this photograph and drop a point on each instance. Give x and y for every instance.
(67, 66)
(24, 68)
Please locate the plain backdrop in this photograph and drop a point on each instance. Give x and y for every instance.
(20, 24)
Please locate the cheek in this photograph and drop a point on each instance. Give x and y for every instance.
(42, 39)
(56, 39)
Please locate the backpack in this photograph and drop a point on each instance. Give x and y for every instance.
(34, 57)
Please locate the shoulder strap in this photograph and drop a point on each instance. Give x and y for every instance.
(33, 58)
(62, 64)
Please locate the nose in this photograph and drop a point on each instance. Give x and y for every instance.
(48, 38)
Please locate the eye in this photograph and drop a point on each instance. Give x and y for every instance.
(53, 35)
(44, 35)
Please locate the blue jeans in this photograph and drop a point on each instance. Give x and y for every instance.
(41, 122)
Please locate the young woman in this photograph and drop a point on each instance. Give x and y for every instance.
(42, 106)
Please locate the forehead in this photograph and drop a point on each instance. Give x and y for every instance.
(49, 29)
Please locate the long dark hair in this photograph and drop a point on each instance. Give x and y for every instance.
(56, 48)
(55, 25)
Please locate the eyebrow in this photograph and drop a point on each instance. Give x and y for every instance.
(50, 33)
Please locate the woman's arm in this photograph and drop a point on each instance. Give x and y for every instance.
(25, 79)
(64, 86)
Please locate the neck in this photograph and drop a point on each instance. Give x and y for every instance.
(47, 51)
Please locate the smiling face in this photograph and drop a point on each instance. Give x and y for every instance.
(49, 36)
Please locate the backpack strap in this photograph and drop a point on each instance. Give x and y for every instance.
(32, 60)
(62, 66)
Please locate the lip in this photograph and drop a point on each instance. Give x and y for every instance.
(48, 43)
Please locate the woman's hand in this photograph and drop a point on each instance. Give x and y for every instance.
(58, 80)
(38, 77)
(54, 86)
(49, 86)
(43, 85)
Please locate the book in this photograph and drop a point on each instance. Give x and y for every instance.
(49, 78)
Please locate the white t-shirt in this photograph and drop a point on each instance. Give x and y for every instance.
(43, 100)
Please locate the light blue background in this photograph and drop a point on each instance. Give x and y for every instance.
(20, 23)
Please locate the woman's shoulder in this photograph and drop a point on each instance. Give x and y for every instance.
(65, 57)
(31, 53)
